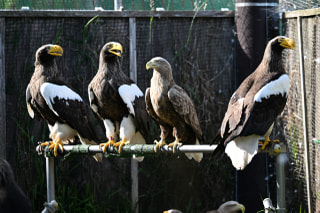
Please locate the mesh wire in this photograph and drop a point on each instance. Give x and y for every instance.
(293, 116)
(205, 69)
(109, 4)
(290, 5)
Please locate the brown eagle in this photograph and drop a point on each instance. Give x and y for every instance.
(50, 98)
(229, 207)
(171, 107)
(254, 106)
(117, 100)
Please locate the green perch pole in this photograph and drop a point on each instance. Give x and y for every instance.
(276, 149)
(129, 150)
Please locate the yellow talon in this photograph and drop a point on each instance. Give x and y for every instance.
(45, 143)
(121, 144)
(159, 144)
(174, 145)
(105, 145)
(53, 145)
(265, 143)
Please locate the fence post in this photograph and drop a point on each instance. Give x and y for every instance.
(50, 179)
(2, 90)
(117, 5)
(133, 76)
(281, 162)
(304, 112)
(253, 23)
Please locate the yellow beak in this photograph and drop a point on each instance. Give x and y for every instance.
(55, 50)
(287, 43)
(150, 65)
(115, 48)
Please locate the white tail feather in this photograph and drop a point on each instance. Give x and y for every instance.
(197, 156)
(241, 150)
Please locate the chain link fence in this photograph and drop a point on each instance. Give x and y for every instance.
(132, 5)
(205, 69)
(293, 115)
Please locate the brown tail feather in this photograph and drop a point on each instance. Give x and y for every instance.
(218, 153)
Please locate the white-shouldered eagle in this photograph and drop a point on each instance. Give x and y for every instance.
(118, 101)
(49, 97)
(171, 107)
(254, 106)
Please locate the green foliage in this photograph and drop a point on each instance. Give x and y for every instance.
(294, 143)
(197, 9)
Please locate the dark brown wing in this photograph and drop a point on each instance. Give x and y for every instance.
(32, 110)
(70, 108)
(105, 99)
(166, 130)
(183, 105)
(245, 116)
(141, 117)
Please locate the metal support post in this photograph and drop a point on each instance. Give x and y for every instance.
(305, 119)
(280, 151)
(281, 162)
(51, 205)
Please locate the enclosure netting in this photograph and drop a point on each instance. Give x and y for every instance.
(202, 58)
(293, 115)
(168, 5)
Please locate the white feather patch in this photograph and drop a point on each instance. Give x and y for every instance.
(197, 156)
(242, 149)
(127, 128)
(128, 94)
(93, 106)
(138, 139)
(279, 86)
(62, 131)
(110, 129)
(50, 91)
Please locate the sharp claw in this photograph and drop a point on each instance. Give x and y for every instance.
(121, 144)
(174, 145)
(45, 144)
(120, 147)
(265, 143)
(53, 145)
(61, 147)
(159, 144)
(105, 145)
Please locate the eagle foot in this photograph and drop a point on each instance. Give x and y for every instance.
(159, 144)
(53, 145)
(105, 145)
(121, 144)
(43, 144)
(267, 141)
(174, 145)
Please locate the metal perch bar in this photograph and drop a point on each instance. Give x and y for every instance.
(276, 149)
(148, 149)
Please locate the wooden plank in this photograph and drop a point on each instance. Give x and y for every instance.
(302, 13)
(116, 14)
(2, 90)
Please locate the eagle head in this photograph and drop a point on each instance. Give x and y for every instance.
(112, 49)
(46, 53)
(161, 65)
(286, 42)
